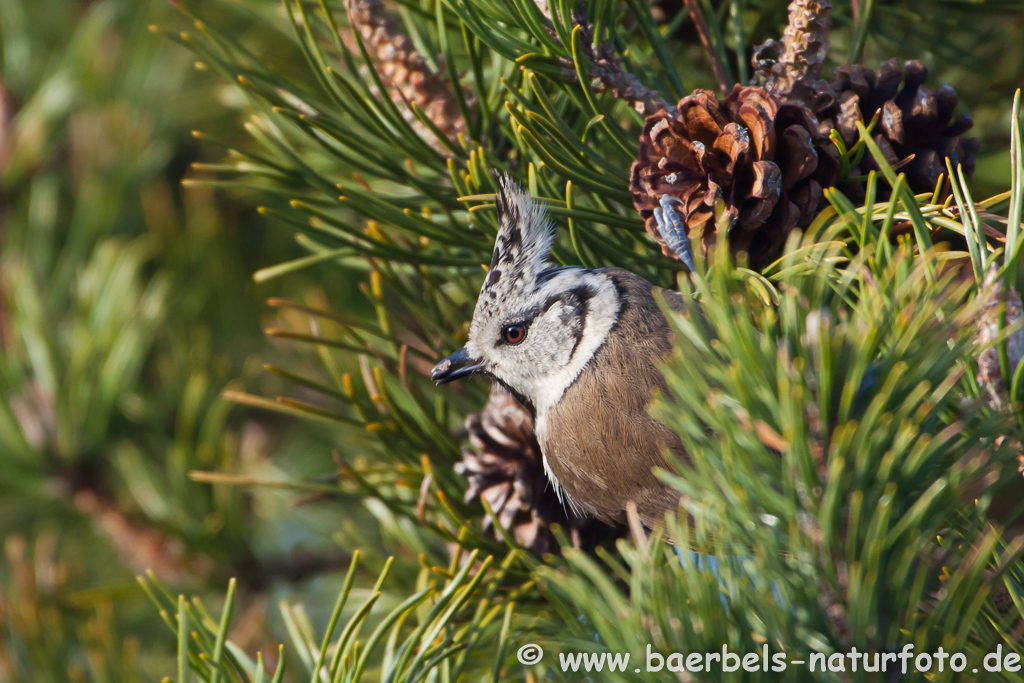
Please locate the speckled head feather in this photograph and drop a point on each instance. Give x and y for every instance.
(565, 312)
(523, 244)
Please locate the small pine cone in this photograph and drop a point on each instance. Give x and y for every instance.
(406, 72)
(504, 468)
(795, 75)
(916, 129)
(764, 160)
(993, 299)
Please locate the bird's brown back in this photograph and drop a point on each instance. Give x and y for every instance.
(599, 440)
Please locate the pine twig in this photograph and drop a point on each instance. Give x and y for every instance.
(7, 111)
(294, 567)
(606, 68)
(705, 38)
(607, 72)
(142, 547)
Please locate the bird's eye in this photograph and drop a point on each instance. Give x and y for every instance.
(514, 334)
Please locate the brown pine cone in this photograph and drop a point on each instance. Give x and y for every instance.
(766, 161)
(916, 129)
(504, 468)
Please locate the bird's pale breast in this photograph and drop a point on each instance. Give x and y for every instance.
(600, 442)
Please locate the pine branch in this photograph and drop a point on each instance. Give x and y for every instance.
(260, 573)
(7, 112)
(717, 65)
(452, 618)
(605, 67)
(608, 75)
(141, 546)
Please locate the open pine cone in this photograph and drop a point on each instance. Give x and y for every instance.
(504, 468)
(916, 129)
(764, 160)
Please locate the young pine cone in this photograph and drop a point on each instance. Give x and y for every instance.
(916, 129)
(405, 72)
(794, 75)
(762, 161)
(504, 468)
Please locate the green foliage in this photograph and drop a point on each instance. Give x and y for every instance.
(124, 310)
(829, 448)
(54, 630)
(436, 633)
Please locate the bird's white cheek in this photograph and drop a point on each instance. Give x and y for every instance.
(474, 349)
(517, 374)
(603, 313)
(526, 383)
(547, 358)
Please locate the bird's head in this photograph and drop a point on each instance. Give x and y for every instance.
(535, 325)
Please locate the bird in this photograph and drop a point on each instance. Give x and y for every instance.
(580, 348)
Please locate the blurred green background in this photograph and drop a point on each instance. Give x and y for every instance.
(128, 304)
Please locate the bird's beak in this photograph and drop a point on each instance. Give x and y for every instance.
(445, 371)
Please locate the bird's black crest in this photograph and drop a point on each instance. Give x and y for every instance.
(524, 238)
